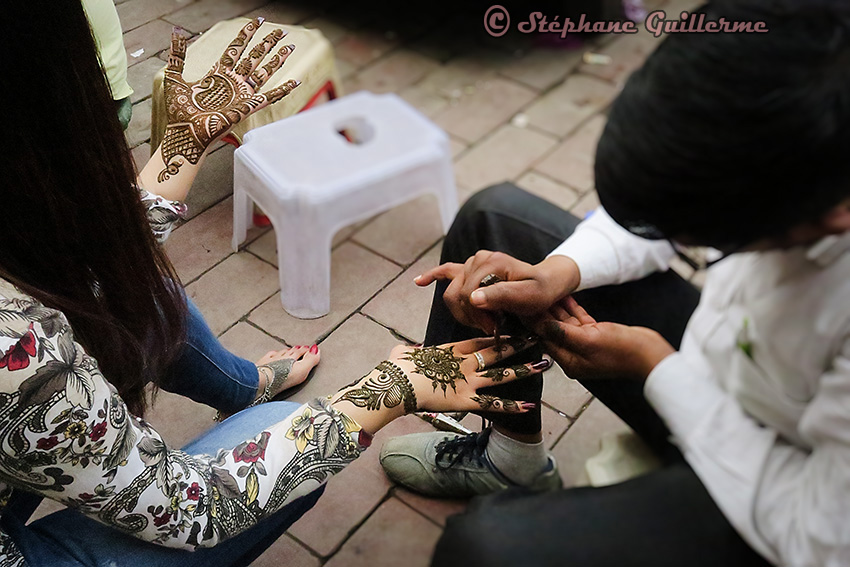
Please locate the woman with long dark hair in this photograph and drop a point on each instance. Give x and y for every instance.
(91, 312)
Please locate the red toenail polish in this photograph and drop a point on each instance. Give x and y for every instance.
(314, 349)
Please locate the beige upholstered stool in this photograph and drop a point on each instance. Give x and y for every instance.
(312, 63)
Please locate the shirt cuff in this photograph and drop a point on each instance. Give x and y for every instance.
(594, 254)
(682, 396)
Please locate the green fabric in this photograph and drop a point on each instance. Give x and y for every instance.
(103, 18)
(125, 111)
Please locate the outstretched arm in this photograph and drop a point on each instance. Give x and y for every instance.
(69, 436)
(202, 112)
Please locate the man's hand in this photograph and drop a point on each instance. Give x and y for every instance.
(586, 349)
(525, 290)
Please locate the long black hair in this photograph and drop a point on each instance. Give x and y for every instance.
(728, 138)
(74, 234)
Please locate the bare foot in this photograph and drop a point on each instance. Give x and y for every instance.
(304, 359)
(299, 361)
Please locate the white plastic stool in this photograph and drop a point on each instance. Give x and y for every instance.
(331, 166)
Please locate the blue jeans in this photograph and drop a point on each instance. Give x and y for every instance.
(207, 373)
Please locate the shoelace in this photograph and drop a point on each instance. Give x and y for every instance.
(460, 449)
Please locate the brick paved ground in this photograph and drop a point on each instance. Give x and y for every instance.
(527, 115)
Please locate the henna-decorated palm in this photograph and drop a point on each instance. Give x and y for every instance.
(442, 378)
(203, 111)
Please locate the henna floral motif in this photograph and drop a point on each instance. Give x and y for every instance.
(492, 403)
(517, 343)
(438, 364)
(390, 388)
(200, 112)
(499, 374)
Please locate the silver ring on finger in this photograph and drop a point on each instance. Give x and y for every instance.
(252, 82)
(489, 279)
(481, 364)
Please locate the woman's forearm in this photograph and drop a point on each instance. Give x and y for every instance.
(174, 183)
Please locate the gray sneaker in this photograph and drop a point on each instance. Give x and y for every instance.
(452, 465)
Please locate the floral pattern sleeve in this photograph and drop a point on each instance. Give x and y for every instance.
(67, 434)
(162, 213)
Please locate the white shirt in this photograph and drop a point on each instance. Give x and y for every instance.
(758, 397)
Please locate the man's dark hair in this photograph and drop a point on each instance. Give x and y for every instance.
(726, 138)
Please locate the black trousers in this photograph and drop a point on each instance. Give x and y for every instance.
(662, 518)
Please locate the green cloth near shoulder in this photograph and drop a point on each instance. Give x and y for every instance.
(103, 18)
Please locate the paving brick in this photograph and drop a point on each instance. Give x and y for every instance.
(152, 37)
(232, 289)
(447, 84)
(435, 509)
(411, 320)
(394, 534)
(332, 30)
(426, 100)
(589, 202)
(502, 156)
(546, 188)
(541, 69)
(554, 424)
(405, 232)
(266, 246)
(286, 551)
(352, 494)
(572, 161)
(396, 71)
(139, 130)
(682, 268)
(356, 275)
(202, 15)
(141, 76)
(628, 52)
(484, 108)
(698, 279)
(348, 353)
(141, 154)
(457, 147)
(135, 13)
(179, 420)
(247, 341)
(214, 181)
(344, 68)
(568, 105)
(562, 393)
(459, 76)
(582, 441)
(202, 242)
(361, 48)
(282, 13)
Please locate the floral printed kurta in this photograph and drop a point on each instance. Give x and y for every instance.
(66, 434)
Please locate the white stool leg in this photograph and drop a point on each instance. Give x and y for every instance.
(242, 216)
(446, 193)
(304, 260)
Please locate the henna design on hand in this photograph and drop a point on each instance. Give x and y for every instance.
(492, 403)
(390, 388)
(499, 374)
(439, 364)
(517, 343)
(200, 112)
